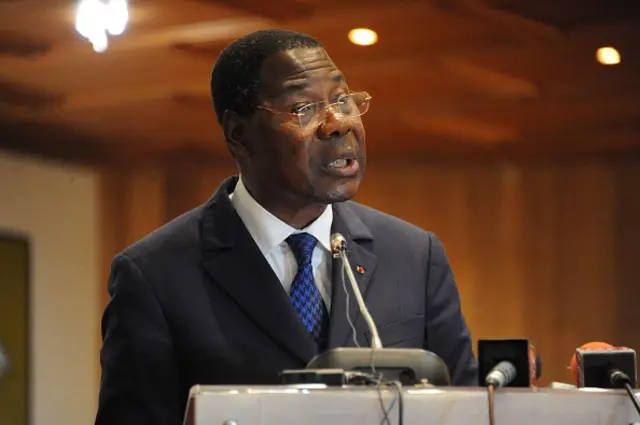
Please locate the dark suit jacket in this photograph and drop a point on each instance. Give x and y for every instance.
(195, 302)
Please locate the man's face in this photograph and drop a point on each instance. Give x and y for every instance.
(318, 158)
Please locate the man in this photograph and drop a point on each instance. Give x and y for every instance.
(244, 286)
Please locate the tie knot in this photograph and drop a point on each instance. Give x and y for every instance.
(302, 245)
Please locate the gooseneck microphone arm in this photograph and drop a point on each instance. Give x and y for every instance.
(339, 248)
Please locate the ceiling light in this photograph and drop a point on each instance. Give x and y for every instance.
(608, 56)
(363, 36)
(96, 19)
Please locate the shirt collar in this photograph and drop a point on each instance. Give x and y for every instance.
(269, 231)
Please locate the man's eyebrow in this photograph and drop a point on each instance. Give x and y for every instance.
(295, 87)
(338, 77)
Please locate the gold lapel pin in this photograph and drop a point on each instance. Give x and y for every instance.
(360, 269)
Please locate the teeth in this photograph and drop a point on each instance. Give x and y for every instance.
(338, 163)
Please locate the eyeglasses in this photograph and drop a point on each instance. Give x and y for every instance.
(350, 105)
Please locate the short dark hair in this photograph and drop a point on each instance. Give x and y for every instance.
(235, 79)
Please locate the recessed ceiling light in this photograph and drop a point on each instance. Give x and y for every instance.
(363, 36)
(608, 56)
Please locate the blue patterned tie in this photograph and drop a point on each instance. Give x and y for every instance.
(305, 296)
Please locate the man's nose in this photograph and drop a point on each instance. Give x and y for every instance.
(333, 124)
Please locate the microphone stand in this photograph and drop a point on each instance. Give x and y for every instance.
(491, 400)
(339, 246)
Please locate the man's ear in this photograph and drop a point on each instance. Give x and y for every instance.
(235, 128)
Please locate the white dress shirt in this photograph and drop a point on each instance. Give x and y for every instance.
(270, 234)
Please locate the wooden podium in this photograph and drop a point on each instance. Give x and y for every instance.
(319, 405)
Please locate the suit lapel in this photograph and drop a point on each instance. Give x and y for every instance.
(363, 263)
(234, 261)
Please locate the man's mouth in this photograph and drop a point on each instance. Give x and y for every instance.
(343, 167)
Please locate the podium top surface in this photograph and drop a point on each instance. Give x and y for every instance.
(318, 404)
(319, 390)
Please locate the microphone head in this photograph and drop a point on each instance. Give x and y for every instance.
(502, 374)
(338, 243)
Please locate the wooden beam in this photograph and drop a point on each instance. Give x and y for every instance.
(28, 96)
(463, 128)
(53, 141)
(133, 95)
(285, 10)
(13, 43)
(520, 25)
(491, 82)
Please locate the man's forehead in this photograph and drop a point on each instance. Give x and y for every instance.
(293, 66)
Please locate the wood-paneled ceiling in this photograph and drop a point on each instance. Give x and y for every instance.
(448, 77)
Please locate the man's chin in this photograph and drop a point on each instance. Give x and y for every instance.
(342, 191)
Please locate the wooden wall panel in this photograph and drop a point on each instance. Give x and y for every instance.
(627, 251)
(569, 268)
(145, 200)
(544, 250)
(133, 203)
(192, 181)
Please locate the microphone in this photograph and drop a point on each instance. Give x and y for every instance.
(589, 346)
(601, 365)
(370, 365)
(507, 363)
(339, 248)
